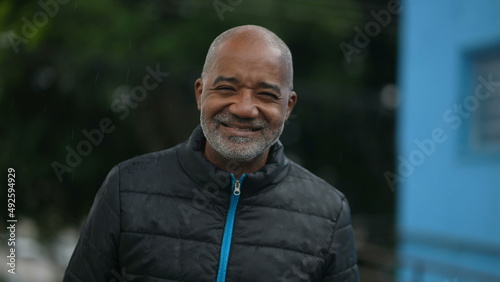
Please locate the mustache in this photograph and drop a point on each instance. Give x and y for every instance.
(230, 118)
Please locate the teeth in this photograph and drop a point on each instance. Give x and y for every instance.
(244, 129)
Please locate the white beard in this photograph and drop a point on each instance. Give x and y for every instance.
(236, 147)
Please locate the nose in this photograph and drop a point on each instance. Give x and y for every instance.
(244, 105)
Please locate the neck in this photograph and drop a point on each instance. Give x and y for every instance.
(236, 167)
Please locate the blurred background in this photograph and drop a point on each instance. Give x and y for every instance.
(68, 66)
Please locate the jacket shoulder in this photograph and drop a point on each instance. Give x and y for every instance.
(304, 191)
(148, 173)
(150, 161)
(319, 185)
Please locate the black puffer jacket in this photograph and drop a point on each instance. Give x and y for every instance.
(171, 216)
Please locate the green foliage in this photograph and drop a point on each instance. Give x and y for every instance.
(65, 78)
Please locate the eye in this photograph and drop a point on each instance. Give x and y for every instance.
(225, 88)
(270, 95)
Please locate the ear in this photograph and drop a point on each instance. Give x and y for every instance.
(292, 100)
(198, 90)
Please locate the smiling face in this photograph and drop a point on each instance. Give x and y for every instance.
(244, 99)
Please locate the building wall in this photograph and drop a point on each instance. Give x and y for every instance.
(448, 183)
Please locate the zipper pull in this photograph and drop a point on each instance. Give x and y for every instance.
(237, 190)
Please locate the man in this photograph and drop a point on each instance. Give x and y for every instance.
(226, 205)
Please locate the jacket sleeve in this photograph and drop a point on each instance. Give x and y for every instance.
(95, 255)
(342, 265)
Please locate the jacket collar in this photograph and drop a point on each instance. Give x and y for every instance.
(207, 175)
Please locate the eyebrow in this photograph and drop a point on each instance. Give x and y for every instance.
(261, 84)
(225, 79)
(275, 87)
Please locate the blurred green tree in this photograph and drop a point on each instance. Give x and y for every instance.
(67, 65)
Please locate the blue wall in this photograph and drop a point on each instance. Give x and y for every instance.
(448, 194)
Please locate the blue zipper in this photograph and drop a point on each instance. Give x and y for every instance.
(228, 229)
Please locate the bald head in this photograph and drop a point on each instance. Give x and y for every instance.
(251, 35)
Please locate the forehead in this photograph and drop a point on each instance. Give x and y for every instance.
(249, 61)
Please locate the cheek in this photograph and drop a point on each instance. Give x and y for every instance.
(275, 115)
(212, 104)
(206, 111)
